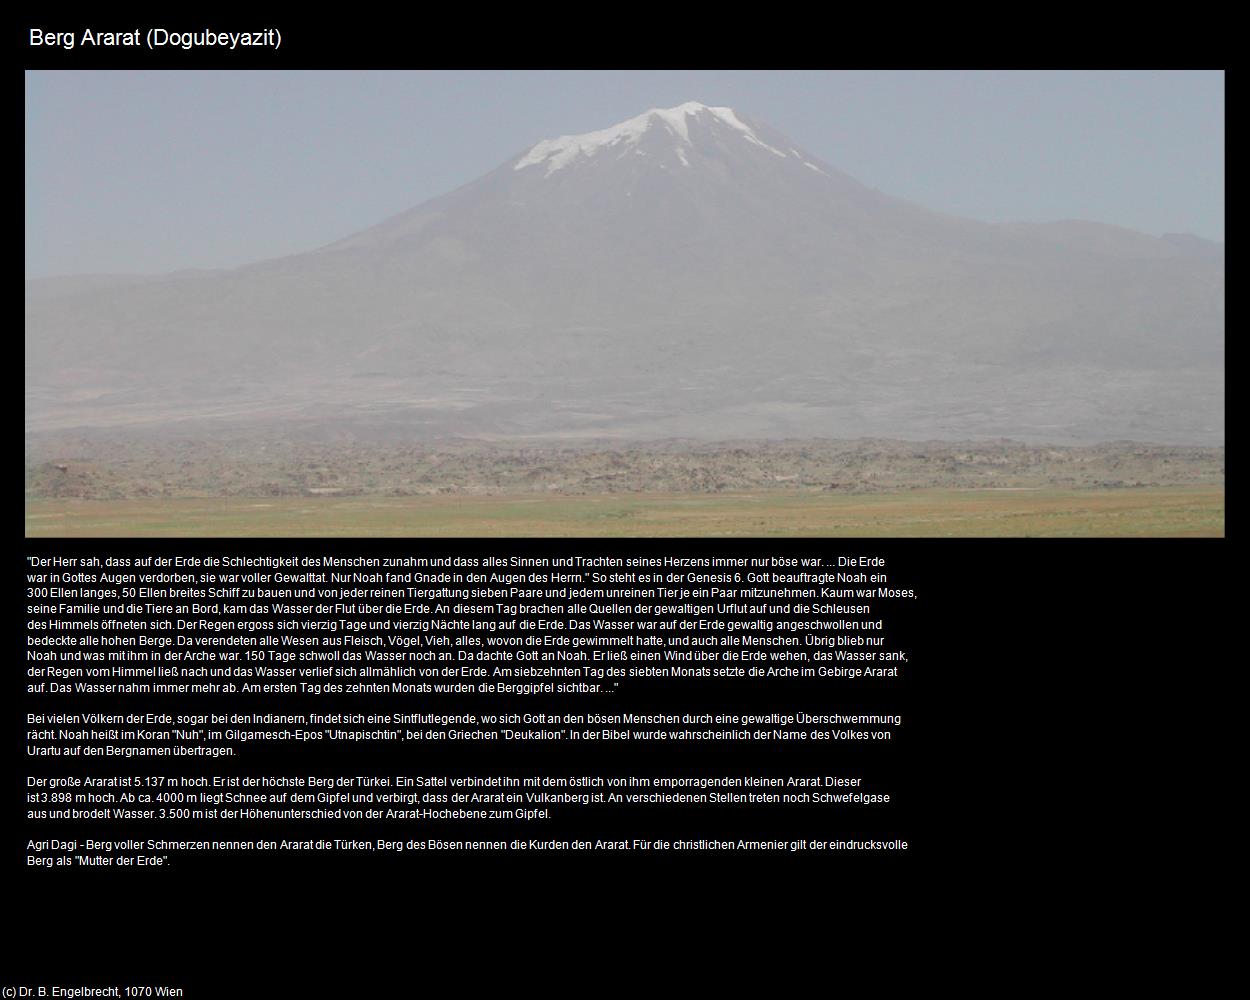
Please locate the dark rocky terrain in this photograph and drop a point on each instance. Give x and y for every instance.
(103, 466)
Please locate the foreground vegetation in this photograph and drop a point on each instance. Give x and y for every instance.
(1167, 511)
(137, 466)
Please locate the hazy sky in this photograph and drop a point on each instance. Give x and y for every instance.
(156, 171)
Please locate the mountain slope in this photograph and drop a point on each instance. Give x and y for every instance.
(689, 272)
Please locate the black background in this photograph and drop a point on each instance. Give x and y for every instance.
(1063, 703)
(1070, 702)
(910, 626)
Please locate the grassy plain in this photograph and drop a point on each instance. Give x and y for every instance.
(1169, 511)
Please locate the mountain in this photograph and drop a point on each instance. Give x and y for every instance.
(689, 272)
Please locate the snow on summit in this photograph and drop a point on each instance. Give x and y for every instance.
(567, 149)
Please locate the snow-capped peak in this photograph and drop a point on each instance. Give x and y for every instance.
(559, 153)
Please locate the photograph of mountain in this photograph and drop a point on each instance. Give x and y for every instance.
(684, 305)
